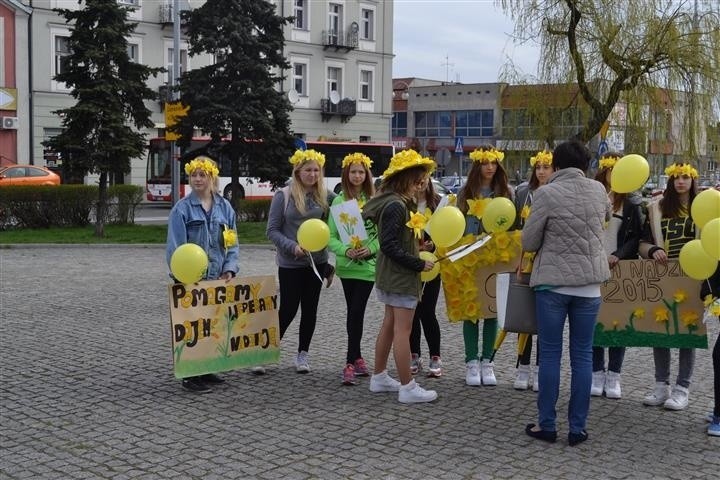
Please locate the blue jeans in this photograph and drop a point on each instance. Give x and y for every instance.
(551, 309)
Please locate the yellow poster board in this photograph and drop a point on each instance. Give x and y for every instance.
(647, 304)
(218, 326)
(469, 282)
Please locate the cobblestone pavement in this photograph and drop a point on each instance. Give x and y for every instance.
(87, 391)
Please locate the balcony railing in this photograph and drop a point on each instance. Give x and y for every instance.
(340, 39)
(345, 108)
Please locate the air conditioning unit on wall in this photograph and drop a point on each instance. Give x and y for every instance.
(9, 123)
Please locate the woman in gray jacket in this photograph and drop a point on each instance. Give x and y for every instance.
(566, 230)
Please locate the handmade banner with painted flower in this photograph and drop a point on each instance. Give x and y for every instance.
(350, 226)
(646, 304)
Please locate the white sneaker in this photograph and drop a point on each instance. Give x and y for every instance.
(472, 373)
(535, 383)
(382, 382)
(259, 370)
(487, 370)
(657, 396)
(612, 385)
(301, 362)
(414, 393)
(678, 398)
(598, 383)
(522, 380)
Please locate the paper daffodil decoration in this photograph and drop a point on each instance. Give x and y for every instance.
(417, 223)
(202, 163)
(676, 170)
(477, 207)
(525, 212)
(229, 237)
(355, 242)
(608, 162)
(301, 156)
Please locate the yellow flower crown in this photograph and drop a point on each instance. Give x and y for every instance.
(360, 158)
(487, 156)
(408, 159)
(608, 162)
(202, 163)
(676, 170)
(542, 158)
(306, 156)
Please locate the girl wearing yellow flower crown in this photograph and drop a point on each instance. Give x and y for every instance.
(397, 273)
(667, 229)
(487, 179)
(306, 197)
(542, 168)
(622, 238)
(355, 263)
(205, 218)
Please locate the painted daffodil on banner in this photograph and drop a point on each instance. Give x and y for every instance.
(417, 223)
(680, 296)
(477, 207)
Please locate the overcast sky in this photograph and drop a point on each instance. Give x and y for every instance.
(473, 34)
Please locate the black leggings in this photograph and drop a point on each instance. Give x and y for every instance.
(524, 358)
(716, 374)
(356, 293)
(425, 314)
(299, 287)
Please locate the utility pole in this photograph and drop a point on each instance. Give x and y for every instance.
(174, 150)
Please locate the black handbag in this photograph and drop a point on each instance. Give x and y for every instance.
(520, 308)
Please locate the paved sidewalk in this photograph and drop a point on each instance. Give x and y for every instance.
(87, 392)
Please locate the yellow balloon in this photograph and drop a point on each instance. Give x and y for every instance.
(447, 226)
(710, 238)
(499, 215)
(705, 207)
(313, 235)
(629, 174)
(696, 262)
(188, 263)
(431, 274)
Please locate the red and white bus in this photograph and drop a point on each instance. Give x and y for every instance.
(157, 180)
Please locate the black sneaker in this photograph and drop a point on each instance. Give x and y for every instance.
(212, 379)
(195, 384)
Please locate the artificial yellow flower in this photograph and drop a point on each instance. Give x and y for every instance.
(452, 199)
(715, 309)
(501, 240)
(689, 318)
(639, 313)
(355, 241)
(525, 212)
(229, 237)
(661, 315)
(417, 223)
(680, 296)
(708, 300)
(477, 207)
(471, 310)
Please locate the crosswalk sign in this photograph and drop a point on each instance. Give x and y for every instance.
(458, 144)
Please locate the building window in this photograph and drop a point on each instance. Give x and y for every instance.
(133, 3)
(433, 124)
(133, 51)
(474, 123)
(62, 54)
(334, 80)
(300, 78)
(399, 124)
(367, 24)
(299, 14)
(334, 23)
(183, 63)
(366, 85)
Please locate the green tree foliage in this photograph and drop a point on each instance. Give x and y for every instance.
(236, 97)
(100, 132)
(627, 50)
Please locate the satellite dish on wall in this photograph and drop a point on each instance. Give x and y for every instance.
(293, 96)
(334, 97)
